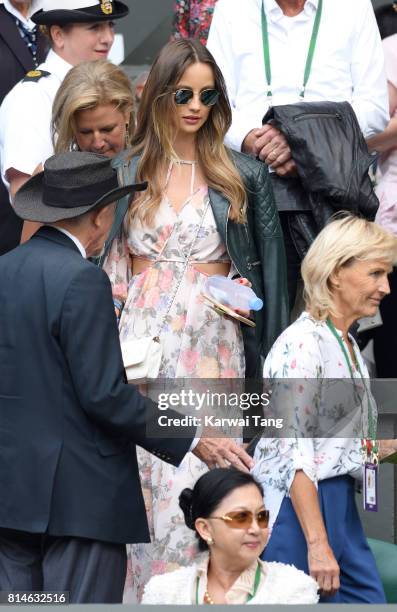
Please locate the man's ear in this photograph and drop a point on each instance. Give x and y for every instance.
(98, 216)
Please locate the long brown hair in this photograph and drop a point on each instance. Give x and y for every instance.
(154, 134)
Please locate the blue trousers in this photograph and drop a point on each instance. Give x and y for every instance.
(359, 578)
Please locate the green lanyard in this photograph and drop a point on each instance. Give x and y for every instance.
(371, 420)
(310, 54)
(256, 585)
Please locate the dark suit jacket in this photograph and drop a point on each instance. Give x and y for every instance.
(68, 422)
(15, 61)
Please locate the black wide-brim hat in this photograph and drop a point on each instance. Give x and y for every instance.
(70, 185)
(62, 12)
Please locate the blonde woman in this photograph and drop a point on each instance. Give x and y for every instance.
(309, 482)
(93, 110)
(215, 209)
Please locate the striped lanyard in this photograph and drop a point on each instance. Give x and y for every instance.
(310, 54)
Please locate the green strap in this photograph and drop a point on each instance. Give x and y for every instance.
(312, 47)
(256, 582)
(256, 585)
(371, 420)
(266, 52)
(331, 326)
(310, 53)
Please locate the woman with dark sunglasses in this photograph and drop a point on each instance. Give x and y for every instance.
(207, 211)
(225, 510)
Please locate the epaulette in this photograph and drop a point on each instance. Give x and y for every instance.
(35, 75)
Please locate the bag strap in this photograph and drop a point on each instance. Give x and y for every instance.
(126, 172)
(185, 265)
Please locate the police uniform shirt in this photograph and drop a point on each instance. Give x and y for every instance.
(25, 117)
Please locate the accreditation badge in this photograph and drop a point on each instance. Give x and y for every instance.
(370, 477)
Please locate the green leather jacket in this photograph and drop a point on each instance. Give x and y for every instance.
(256, 248)
(257, 251)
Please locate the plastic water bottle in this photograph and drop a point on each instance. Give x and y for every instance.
(232, 294)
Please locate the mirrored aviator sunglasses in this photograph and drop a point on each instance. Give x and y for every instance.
(208, 97)
(243, 519)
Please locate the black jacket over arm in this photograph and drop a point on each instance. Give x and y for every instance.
(68, 422)
(332, 160)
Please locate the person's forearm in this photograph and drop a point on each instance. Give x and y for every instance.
(304, 498)
(321, 560)
(386, 140)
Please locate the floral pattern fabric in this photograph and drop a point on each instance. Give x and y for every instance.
(192, 19)
(310, 360)
(196, 342)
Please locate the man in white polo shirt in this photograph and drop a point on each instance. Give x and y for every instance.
(275, 52)
(79, 30)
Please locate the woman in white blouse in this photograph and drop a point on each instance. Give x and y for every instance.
(225, 509)
(309, 481)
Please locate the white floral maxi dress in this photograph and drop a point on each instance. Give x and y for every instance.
(197, 343)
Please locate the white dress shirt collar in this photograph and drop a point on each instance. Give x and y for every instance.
(75, 240)
(273, 9)
(25, 20)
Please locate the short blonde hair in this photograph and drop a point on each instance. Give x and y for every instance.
(341, 242)
(86, 86)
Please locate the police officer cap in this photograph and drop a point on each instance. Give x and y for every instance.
(61, 12)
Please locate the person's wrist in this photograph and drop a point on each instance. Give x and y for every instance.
(248, 143)
(317, 540)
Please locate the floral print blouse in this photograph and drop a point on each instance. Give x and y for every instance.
(192, 19)
(305, 364)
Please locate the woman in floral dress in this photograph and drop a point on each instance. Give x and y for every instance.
(192, 19)
(171, 242)
(320, 379)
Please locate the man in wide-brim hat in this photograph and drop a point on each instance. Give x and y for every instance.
(25, 115)
(70, 491)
